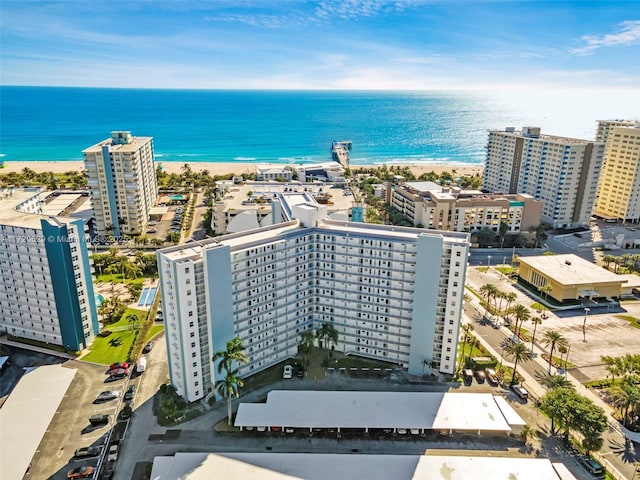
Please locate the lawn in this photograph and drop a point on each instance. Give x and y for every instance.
(123, 322)
(633, 321)
(117, 278)
(114, 348)
(156, 329)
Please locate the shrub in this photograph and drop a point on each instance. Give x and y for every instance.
(104, 333)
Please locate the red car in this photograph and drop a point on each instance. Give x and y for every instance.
(118, 365)
(80, 472)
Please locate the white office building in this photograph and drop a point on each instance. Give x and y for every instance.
(46, 290)
(392, 293)
(122, 183)
(562, 172)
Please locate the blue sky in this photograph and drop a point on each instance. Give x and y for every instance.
(341, 44)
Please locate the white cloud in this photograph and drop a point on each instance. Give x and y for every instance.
(628, 34)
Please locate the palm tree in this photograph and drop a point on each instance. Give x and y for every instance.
(467, 328)
(233, 353)
(510, 298)
(546, 289)
(551, 382)
(625, 397)
(522, 315)
(488, 291)
(552, 339)
(520, 353)
(562, 349)
(307, 341)
(608, 259)
(228, 387)
(536, 321)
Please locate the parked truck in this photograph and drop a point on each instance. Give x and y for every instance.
(141, 365)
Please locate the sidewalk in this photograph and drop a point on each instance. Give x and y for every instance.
(539, 390)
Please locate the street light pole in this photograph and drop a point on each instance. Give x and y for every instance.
(488, 262)
(584, 324)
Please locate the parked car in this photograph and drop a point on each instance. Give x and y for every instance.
(107, 395)
(98, 419)
(401, 431)
(130, 393)
(149, 346)
(287, 372)
(126, 412)
(118, 365)
(593, 467)
(491, 376)
(152, 230)
(112, 456)
(152, 223)
(83, 471)
(119, 373)
(480, 376)
(86, 452)
(467, 373)
(520, 391)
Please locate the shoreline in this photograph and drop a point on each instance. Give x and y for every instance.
(225, 168)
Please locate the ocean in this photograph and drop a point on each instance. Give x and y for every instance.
(57, 123)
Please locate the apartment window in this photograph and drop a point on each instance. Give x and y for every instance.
(193, 344)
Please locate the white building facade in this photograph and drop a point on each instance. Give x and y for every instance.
(393, 294)
(46, 289)
(562, 172)
(122, 183)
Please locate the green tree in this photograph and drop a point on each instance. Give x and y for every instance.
(229, 385)
(552, 339)
(519, 353)
(307, 342)
(327, 335)
(132, 319)
(522, 315)
(555, 381)
(572, 411)
(467, 328)
(626, 398)
(536, 321)
(504, 228)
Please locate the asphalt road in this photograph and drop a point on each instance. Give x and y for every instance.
(622, 454)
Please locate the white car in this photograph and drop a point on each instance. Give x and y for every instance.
(287, 372)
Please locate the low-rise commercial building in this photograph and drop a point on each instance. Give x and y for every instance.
(570, 277)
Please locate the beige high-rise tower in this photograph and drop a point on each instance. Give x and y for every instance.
(122, 183)
(619, 187)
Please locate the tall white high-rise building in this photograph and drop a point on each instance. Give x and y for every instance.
(122, 183)
(46, 289)
(562, 172)
(392, 293)
(619, 188)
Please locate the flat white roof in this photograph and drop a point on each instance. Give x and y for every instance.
(26, 414)
(316, 466)
(510, 415)
(427, 410)
(570, 269)
(440, 467)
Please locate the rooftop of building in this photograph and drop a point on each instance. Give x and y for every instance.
(316, 466)
(11, 198)
(133, 145)
(541, 136)
(570, 269)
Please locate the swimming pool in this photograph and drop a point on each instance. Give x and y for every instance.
(98, 300)
(147, 296)
(177, 197)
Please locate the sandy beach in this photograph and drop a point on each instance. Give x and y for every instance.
(215, 168)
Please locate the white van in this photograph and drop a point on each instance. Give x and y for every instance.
(141, 365)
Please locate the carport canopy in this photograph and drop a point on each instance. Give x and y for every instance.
(413, 410)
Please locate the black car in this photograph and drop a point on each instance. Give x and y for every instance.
(126, 412)
(86, 452)
(148, 347)
(98, 419)
(130, 393)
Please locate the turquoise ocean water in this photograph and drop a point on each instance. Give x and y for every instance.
(54, 123)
